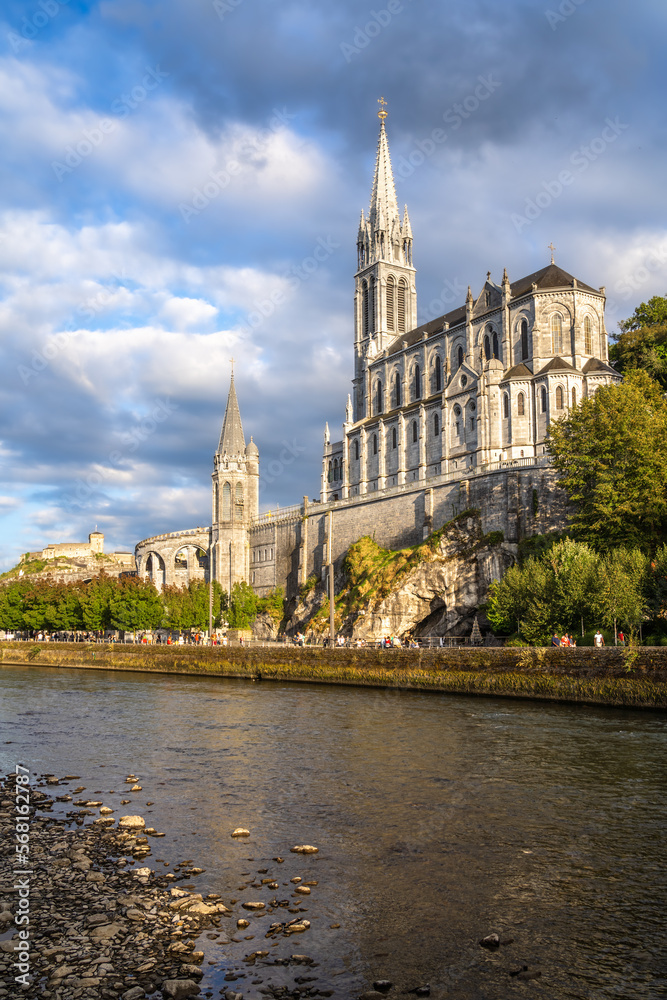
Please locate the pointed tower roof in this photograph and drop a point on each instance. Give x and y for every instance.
(407, 228)
(384, 205)
(232, 441)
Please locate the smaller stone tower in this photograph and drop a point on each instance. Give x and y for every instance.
(235, 498)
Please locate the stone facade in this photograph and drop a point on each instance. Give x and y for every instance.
(443, 417)
(475, 386)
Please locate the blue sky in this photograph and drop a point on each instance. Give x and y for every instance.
(167, 166)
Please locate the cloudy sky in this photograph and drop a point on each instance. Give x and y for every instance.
(170, 166)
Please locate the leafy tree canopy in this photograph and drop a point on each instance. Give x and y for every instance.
(611, 459)
(570, 588)
(642, 343)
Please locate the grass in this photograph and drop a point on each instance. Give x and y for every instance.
(528, 679)
(373, 573)
(29, 567)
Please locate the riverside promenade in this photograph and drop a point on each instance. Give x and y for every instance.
(622, 677)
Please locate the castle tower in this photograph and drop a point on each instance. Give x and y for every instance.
(385, 301)
(235, 497)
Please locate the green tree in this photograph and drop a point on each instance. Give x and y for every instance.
(136, 605)
(611, 459)
(11, 606)
(96, 602)
(651, 313)
(642, 342)
(63, 607)
(273, 605)
(555, 592)
(242, 606)
(620, 599)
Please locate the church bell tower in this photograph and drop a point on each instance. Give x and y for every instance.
(235, 498)
(385, 300)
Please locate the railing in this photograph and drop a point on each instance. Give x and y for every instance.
(278, 514)
(539, 461)
(173, 534)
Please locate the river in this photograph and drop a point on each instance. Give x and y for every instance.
(439, 819)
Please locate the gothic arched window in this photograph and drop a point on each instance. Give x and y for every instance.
(457, 417)
(559, 397)
(436, 424)
(524, 339)
(364, 306)
(437, 372)
(414, 430)
(487, 348)
(495, 345)
(379, 398)
(356, 449)
(506, 405)
(521, 404)
(557, 333)
(459, 357)
(238, 497)
(393, 437)
(543, 399)
(402, 300)
(371, 305)
(397, 389)
(588, 335)
(417, 383)
(375, 444)
(391, 303)
(226, 502)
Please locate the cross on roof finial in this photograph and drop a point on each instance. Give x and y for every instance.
(553, 250)
(231, 361)
(382, 114)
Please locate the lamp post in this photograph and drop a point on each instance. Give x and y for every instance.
(332, 628)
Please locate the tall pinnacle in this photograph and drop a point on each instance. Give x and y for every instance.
(232, 441)
(382, 235)
(384, 205)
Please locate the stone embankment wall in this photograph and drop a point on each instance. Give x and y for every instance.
(519, 502)
(632, 678)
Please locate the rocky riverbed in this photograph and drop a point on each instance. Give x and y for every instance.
(77, 921)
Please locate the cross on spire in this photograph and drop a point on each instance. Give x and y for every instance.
(382, 114)
(553, 250)
(231, 361)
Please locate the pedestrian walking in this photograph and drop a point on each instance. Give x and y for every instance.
(598, 639)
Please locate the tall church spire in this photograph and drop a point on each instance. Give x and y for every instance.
(383, 235)
(232, 441)
(383, 212)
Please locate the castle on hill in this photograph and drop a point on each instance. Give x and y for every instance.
(442, 417)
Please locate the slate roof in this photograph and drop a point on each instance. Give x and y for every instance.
(557, 365)
(518, 371)
(232, 441)
(550, 276)
(594, 365)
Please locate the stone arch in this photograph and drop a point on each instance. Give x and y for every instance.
(156, 569)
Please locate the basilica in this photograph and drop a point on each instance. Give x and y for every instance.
(442, 417)
(474, 387)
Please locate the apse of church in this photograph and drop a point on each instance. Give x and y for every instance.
(470, 389)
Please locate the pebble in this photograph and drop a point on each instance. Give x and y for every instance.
(304, 849)
(241, 831)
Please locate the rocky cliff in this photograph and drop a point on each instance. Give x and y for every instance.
(432, 589)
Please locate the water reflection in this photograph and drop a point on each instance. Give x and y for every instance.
(440, 819)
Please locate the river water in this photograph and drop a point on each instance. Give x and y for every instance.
(439, 819)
